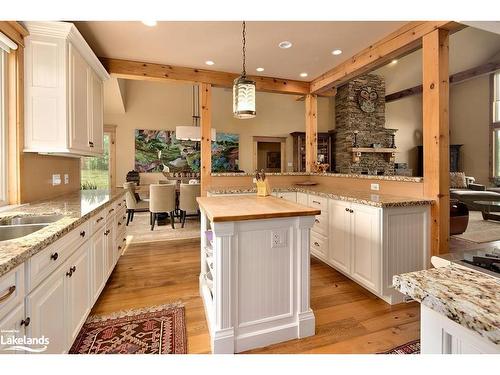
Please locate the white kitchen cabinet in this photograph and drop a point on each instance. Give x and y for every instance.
(302, 198)
(110, 251)
(63, 91)
(287, 195)
(12, 326)
(46, 308)
(98, 262)
(340, 235)
(77, 290)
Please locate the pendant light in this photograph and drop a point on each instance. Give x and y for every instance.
(193, 133)
(244, 90)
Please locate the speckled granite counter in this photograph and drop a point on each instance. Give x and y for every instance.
(361, 197)
(76, 208)
(470, 298)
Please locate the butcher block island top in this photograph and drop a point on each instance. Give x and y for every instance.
(240, 208)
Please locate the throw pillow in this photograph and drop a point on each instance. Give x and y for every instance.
(457, 180)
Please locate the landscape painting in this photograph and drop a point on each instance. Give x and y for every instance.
(160, 151)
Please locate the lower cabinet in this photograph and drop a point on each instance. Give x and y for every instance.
(110, 253)
(12, 327)
(98, 262)
(340, 229)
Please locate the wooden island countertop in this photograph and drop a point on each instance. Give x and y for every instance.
(239, 208)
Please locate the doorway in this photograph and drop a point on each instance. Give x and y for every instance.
(269, 154)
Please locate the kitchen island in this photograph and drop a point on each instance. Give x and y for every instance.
(254, 277)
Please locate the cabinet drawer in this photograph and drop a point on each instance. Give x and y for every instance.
(120, 204)
(110, 211)
(98, 220)
(289, 196)
(41, 265)
(318, 202)
(319, 245)
(11, 289)
(321, 224)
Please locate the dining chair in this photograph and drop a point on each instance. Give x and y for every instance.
(161, 200)
(131, 201)
(187, 200)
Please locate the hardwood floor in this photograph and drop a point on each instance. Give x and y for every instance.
(349, 319)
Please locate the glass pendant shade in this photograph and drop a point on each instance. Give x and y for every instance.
(244, 98)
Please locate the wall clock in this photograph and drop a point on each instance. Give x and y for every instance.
(367, 98)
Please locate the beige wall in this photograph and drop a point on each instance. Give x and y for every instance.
(154, 105)
(36, 176)
(469, 125)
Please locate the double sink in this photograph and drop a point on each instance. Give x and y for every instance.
(22, 226)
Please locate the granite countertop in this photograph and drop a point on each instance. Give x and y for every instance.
(327, 174)
(468, 297)
(361, 197)
(76, 208)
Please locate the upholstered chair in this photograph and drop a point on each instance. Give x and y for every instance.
(161, 200)
(131, 201)
(187, 200)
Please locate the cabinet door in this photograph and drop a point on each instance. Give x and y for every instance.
(46, 307)
(96, 114)
(340, 234)
(110, 247)
(98, 261)
(77, 290)
(10, 328)
(79, 81)
(302, 198)
(366, 246)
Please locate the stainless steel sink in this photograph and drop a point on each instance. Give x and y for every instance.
(40, 219)
(9, 232)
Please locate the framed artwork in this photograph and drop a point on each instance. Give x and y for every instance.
(160, 151)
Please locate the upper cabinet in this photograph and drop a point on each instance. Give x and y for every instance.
(63, 91)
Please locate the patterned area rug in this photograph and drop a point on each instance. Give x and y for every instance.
(479, 230)
(412, 347)
(151, 330)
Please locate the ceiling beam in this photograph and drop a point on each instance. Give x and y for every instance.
(161, 72)
(454, 78)
(405, 40)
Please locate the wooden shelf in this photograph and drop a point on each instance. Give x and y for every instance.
(383, 150)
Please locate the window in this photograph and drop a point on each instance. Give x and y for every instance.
(496, 98)
(3, 128)
(495, 124)
(95, 171)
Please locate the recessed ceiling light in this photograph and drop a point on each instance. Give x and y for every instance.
(285, 44)
(260, 69)
(303, 74)
(209, 62)
(393, 62)
(149, 23)
(336, 52)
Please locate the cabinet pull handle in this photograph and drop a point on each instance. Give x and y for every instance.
(347, 210)
(82, 233)
(9, 292)
(351, 211)
(26, 322)
(119, 204)
(119, 247)
(316, 221)
(106, 233)
(69, 273)
(316, 202)
(98, 220)
(119, 223)
(54, 256)
(111, 210)
(73, 269)
(124, 239)
(317, 244)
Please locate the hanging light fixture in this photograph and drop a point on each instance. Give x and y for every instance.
(244, 90)
(193, 133)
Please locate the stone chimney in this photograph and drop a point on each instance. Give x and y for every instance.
(360, 107)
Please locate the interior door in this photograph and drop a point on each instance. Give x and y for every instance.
(79, 81)
(77, 289)
(340, 234)
(366, 246)
(46, 307)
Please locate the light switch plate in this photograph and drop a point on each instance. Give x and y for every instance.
(56, 179)
(66, 179)
(375, 187)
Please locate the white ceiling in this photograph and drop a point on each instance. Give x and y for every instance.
(190, 44)
(469, 48)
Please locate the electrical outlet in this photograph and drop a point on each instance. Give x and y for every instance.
(56, 179)
(278, 239)
(375, 187)
(290, 164)
(66, 179)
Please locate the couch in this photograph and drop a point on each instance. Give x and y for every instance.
(470, 191)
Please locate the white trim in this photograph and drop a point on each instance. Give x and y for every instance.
(6, 44)
(4, 199)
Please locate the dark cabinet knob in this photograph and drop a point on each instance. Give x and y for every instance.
(347, 210)
(69, 273)
(316, 220)
(316, 244)
(111, 210)
(82, 233)
(26, 322)
(73, 269)
(54, 256)
(351, 211)
(98, 220)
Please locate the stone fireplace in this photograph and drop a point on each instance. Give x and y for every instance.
(373, 153)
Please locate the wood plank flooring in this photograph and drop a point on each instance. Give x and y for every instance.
(349, 319)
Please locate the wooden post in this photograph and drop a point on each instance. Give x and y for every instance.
(436, 135)
(311, 101)
(206, 137)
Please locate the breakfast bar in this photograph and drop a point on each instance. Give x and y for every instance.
(254, 277)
